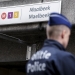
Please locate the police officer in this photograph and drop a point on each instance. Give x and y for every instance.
(53, 59)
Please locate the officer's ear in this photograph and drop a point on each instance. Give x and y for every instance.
(63, 34)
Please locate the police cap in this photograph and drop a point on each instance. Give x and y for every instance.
(58, 19)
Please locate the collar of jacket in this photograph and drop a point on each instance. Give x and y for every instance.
(53, 43)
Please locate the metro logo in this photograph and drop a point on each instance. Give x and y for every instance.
(10, 15)
(3, 16)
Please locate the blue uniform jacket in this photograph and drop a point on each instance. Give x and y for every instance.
(52, 59)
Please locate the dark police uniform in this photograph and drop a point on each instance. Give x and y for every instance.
(52, 59)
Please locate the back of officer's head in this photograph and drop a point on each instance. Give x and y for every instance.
(58, 28)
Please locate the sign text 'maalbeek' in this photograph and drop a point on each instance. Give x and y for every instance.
(41, 8)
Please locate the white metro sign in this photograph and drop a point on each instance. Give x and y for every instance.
(28, 13)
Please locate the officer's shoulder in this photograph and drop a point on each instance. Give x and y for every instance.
(64, 54)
